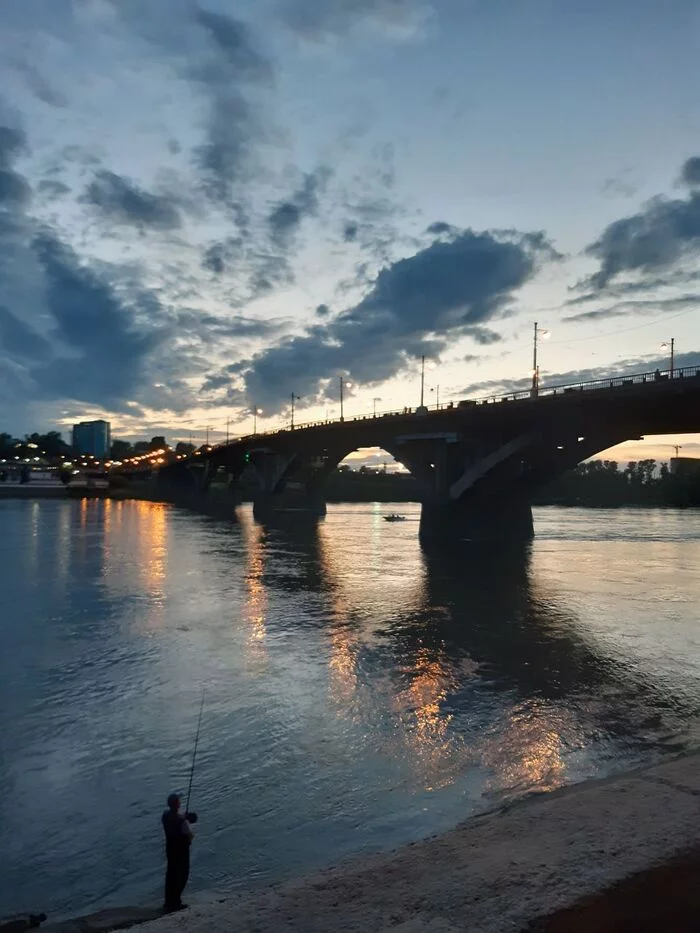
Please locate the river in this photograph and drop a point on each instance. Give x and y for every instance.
(358, 694)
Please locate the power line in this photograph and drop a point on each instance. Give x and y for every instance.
(624, 330)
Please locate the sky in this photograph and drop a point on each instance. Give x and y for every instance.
(208, 207)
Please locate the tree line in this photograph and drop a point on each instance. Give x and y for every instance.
(597, 483)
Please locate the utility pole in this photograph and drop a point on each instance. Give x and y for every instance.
(539, 331)
(670, 346)
(343, 384)
(374, 406)
(295, 398)
(422, 379)
(535, 373)
(208, 429)
(228, 424)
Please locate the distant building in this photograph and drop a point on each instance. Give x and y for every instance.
(684, 466)
(92, 437)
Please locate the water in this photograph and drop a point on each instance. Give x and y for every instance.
(358, 694)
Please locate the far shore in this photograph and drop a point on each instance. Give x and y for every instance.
(220, 498)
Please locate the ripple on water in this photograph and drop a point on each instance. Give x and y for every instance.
(359, 693)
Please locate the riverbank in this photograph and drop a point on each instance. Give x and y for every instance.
(617, 854)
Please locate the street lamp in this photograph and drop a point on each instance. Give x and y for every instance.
(436, 390)
(347, 385)
(295, 398)
(374, 406)
(670, 346)
(258, 411)
(422, 379)
(208, 428)
(540, 332)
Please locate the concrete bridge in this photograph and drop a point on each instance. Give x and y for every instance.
(478, 462)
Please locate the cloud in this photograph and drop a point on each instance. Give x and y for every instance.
(350, 231)
(13, 143)
(690, 172)
(638, 306)
(235, 123)
(286, 217)
(446, 290)
(121, 201)
(106, 345)
(209, 328)
(655, 239)
(624, 368)
(14, 189)
(20, 340)
(232, 38)
(483, 335)
(315, 21)
(52, 188)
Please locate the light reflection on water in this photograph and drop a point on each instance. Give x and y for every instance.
(359, 693)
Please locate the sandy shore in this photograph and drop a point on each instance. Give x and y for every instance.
(498, 872)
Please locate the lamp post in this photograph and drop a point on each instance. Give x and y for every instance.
(348, 385)
(422, 379)
(258, 411)
(295, 398)
(670, 346)
(539, 332)
(436, 390)
(228, 425)
(208, 428)
(374, 406)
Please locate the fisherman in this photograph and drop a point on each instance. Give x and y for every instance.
(178, 838)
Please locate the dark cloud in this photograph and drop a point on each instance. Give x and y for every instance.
(234, 41)
(13, 143)
(209, 328)
(107, 346)
(121, 201)
(639, 307)
(38, 85)
(20, 340)
(483, 335)
(52, 188)
(440, 228)
(286, 217)
(235, 125)
(648, 242)
(14, 188)
(690, 172)
(318, 21)
(414, 306)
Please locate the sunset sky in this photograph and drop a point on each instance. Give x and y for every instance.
(206, 207)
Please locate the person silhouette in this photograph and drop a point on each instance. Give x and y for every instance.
(177, 827)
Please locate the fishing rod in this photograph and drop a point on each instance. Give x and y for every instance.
(194, 752)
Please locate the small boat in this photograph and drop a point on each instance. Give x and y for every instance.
(393, 517)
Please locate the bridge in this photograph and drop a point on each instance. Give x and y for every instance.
(478, 463)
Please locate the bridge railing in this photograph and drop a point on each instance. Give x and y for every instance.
(614, 382)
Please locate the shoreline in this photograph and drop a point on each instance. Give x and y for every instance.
(220, 500)
(532, 864)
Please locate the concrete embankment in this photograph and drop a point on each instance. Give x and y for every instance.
(499, 872)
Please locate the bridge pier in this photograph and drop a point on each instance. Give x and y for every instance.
(487, 519)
